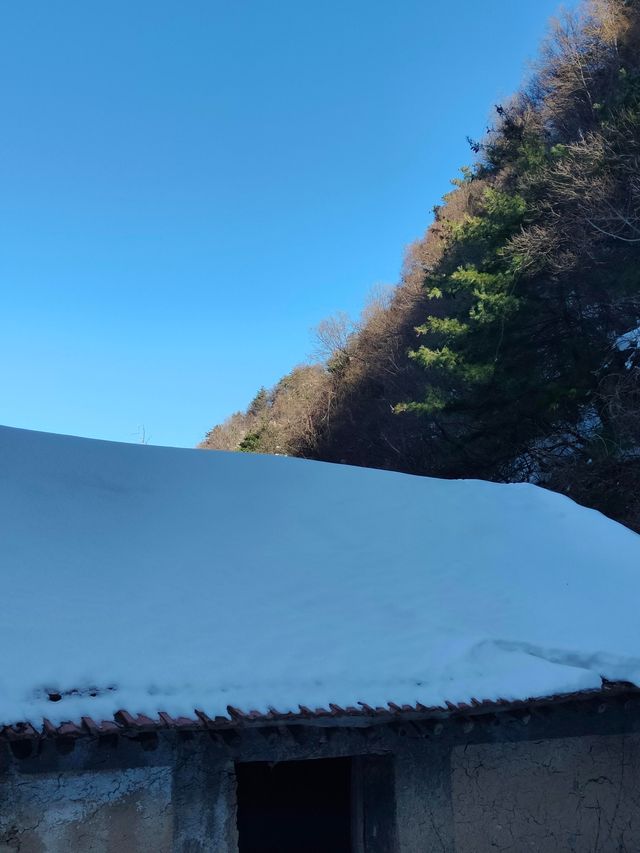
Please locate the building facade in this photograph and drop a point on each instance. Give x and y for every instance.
(552, 775)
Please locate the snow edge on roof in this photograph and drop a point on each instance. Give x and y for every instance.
(124, 722)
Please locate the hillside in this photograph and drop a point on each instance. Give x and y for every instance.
(508, 351)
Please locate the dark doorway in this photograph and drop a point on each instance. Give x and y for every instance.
(295, 806)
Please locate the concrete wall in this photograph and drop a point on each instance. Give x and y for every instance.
(171, 794)
(569, 781)
(569, 794)
(106, 811)
(548, 795)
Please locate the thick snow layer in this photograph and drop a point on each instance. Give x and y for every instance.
(181, 579)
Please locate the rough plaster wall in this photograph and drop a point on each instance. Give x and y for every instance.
(88, 812)
(204, 799)
(423, 799)
(570, 794)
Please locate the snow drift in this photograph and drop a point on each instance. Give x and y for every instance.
(168, 580)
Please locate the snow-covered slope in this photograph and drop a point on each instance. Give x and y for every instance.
(170, 580)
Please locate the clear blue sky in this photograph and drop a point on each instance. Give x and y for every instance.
(187, 187)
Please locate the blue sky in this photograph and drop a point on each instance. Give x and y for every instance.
(188, 187)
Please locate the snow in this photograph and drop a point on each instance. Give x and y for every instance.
(629, 342)
(169, 580)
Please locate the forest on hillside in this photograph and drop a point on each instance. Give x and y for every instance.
(510, 349)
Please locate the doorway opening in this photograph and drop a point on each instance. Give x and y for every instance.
(294, 806)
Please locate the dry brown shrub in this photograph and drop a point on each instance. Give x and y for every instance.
(228, 435)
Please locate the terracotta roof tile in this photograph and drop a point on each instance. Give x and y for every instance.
(125, 721)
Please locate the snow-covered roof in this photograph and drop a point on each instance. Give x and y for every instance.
(156, 579)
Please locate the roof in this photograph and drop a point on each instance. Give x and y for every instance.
(162, 580)
(610, 694)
